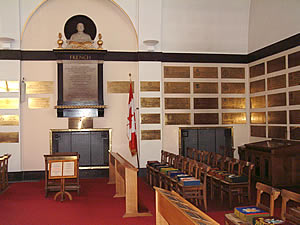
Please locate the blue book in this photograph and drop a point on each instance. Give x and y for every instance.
(190, 181)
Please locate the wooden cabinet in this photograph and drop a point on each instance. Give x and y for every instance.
(277, 162)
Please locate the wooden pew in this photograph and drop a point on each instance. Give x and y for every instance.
(4, 172)
(124, 175)
(172, 209)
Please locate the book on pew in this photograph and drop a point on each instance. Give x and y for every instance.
(269, 220)
(180, 176)
(151, 163)
(190, 181)
(174, 173)
(232, 178)
(160, 166)
(248, 213)
(166, 169)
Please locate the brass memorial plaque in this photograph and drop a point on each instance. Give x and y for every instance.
(205, 72)
(9, 103)
(39, 87)
(276, 64)
(80, 123)
(177, 103)
(233, 88)
(295, 133)
(38, 103)
(277, 100)
(257, 86)
(9, 137)
(233, 118)
(294, 116)
(150, 102)
(121, 87)
(150, 135)
(258, 118)
(233, 72)
(294, 59)
(177, 87)
(176, 72)
(177, 118)
(294, 78)
(80, 79)
(152, 118)
(9, 120)
(277, 132)
(258, 102)
(205, 103)
(150, 86)
(294, 97)
(257, 70)
(277, 117)
(9, 86)
(258, 131)
(233, 103)
(277, 82)
(206, 118)
(206, 87)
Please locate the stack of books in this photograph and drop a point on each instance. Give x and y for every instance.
(248, 213)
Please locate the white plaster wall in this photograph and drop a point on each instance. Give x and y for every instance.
(211, 26)
(271, 21)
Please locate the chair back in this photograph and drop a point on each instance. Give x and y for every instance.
(292, 214)
(190, 153)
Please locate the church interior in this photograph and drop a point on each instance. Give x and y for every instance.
(150, 112)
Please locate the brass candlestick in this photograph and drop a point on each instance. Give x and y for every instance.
(60, 41)
(100, 42)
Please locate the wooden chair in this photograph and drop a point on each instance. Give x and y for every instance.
(291, 215)
(190, 153)
(4, 172)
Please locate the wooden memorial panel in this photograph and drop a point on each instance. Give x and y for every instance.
(294, 116)
(205, 103)
(177, 103)
(257, 86)
(176, 72)
(206, 118)
(277, 82)
(233, 88)
(177, 87)
(276, 64)
(258, 102)
(277, 117)
(205, 72)
(258, 131)
(233, 72)
(9, 120)
(9, 137)
(258, 117)
(277, 132)
(206, 87)
(294, 78)
(294, 59)
(120, 87)
(294, 97)
(150, 118)
(277, 100)
(257, 70)
(233, 118)
(150, 86)
(177, 119)
(150, 134)
(233, 103)
(150, 102)
(295, 133)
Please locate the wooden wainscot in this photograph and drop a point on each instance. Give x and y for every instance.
(171, 209)
(124, 175)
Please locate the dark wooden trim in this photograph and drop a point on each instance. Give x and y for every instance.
(10, 55)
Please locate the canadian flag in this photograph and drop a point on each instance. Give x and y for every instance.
(131, 123)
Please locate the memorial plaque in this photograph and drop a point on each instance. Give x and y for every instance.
(257, 70)
(150, 118)
(177, 119)
(258, 102)
(276, 64)
(277, 82)
(80, 80)
(294, 59)
(177, 87)
(39, 87)
(233, 88)
(294, 116)
(177, 103)
(9, 120)
(257, 86)
(294, 78)
(38, 103)
(206, 118)
(233, 118)
(294, 97)
(9, 103)
(258, 118)
(277, 100)
(150, 86)
(9, 86)
(258, 131)
(80, 123)
(277, 117)
(9, 137)
(205, 72)
(120, 87)
(277, 132)
(205, 103)
(150, 135)
(150, 102)
(206, 87)
(233, 72)
(233, 103)
(295, 133)
(176, 72)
